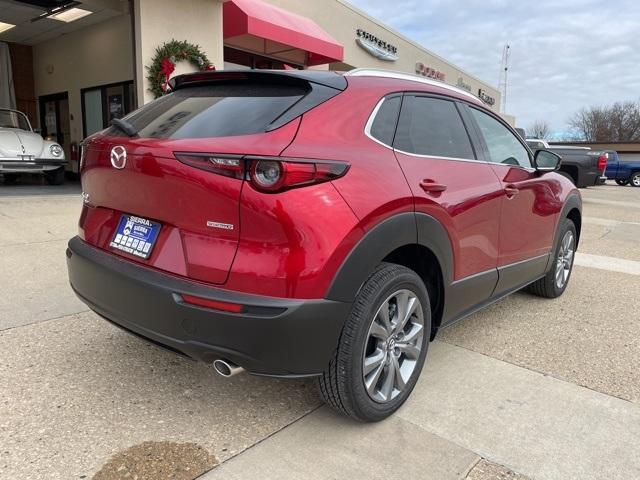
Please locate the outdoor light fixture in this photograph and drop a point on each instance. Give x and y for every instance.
(5, 26)
(64, 12)
(71, 15)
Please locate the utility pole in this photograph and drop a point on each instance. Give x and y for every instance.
(502, 82)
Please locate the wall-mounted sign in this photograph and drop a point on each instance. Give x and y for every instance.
(488, 99)
(376, 47)
(422, 69)
(462, 84)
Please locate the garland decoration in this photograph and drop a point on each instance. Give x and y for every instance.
(164, 63)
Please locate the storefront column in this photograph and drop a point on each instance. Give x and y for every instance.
(158, 21)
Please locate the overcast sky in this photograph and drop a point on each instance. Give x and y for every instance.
(565, 54)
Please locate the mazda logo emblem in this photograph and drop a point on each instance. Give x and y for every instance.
(118, 157)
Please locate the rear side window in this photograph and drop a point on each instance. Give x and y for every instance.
(215, 110)
(432, 126)
(384, 124)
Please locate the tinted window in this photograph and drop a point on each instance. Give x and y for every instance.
(503, 145)
(384, 125)
(214, 110)
(431, 126)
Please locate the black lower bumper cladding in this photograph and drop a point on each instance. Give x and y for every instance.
(273, 336)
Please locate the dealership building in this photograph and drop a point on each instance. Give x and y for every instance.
(72, 66)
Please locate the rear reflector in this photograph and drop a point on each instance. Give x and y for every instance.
(213, 304)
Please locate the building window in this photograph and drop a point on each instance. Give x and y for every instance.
(102, 104)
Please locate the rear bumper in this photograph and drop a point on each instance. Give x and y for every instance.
(601, 180)
(274, 336)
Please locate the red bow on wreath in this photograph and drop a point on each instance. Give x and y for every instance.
(166, 68)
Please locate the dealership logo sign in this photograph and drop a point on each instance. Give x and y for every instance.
(118, 157)
(462, 84)
(488, 99)
(422, 69)
(376, 47)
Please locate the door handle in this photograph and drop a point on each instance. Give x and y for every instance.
(430, 186)
(511, 191)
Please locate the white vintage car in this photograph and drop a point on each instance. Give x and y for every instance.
(24, 151)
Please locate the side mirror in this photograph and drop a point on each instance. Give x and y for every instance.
(546, 161)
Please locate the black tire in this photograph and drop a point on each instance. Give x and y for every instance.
(622, 183)
(342, 385)
(634, 179)
(567, 175)
(10, 178)
(547, 286)
(55, 177)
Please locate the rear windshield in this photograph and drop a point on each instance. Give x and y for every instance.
(214, 111)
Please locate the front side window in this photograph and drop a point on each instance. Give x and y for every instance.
(503, 145)
(433, 127)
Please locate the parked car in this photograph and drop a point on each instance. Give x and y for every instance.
(313, 224)
(622, 172)
(581, 165)
(24, 151)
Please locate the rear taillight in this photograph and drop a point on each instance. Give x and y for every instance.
(227, 165)
(602, 161)
(267, 174)
(276, 174)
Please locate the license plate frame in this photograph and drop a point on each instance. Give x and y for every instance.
(135, 235)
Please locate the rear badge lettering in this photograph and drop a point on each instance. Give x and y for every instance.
(223, 226)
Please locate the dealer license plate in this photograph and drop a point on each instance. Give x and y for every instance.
(135, 235)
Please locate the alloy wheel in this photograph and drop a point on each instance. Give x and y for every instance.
(393, 346)
(564, 261)
(635, 180)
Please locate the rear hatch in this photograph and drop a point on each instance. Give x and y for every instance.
(183, 172)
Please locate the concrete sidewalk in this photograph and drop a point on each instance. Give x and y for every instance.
(466, 406)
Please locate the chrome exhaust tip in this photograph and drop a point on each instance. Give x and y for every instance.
(226, 369)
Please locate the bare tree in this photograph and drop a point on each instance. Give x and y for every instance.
(539, 129)
(619, 122)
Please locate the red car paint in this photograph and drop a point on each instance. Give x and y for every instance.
(291, 244)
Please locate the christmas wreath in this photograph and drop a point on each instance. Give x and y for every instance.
(164, 63)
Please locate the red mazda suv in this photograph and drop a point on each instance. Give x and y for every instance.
(316, 224)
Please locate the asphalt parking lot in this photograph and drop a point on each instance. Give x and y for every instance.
(525, 389)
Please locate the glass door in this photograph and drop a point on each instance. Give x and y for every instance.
(102, 104)
(54, 120)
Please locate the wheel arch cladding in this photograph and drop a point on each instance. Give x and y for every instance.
(571, 210)
(415, 240)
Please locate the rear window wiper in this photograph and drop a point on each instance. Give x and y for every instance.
(125, 126)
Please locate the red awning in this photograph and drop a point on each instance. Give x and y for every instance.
(279, 33)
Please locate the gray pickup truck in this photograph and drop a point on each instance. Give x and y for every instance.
(583, 166)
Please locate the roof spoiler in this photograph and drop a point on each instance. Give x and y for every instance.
(324, 78)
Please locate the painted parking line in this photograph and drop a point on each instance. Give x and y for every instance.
(604, 222)
(611, 264)
(613, 203)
